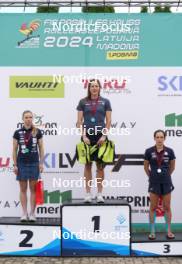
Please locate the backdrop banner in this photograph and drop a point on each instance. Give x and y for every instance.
(45, 65)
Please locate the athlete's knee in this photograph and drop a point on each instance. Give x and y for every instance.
(166, 207)
(32, 188)
(153, 207)
(100, 167)
(23, 188)
(88, 166)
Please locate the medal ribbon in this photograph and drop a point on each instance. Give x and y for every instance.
(159, 157)
(27, 137)
(94, 106)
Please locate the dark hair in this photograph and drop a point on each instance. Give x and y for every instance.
(160, 131)
(89, 85)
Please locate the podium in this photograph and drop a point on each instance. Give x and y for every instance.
(84, 230)
(96, 229)
(41, 238)
(161, 246)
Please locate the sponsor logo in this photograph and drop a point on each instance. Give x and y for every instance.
(9, 204)
(120, 85)
(139, 204)
(31, 32)
(122, 223)
(66, 160)
(55, 198)
(125, 125)
(59, 160)
(135, 201)
(5, 165)
(121, 219)
(48, 128)
(4, 162)
(173, 123)
(122, 55)
(35, 87)
(1, 236)
(170, 85)
(173, 120)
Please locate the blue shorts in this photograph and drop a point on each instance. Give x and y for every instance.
(161, 188)
(94, 138)
(93, 141)
(28, 171)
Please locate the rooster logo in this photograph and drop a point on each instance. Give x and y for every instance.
(28, 30)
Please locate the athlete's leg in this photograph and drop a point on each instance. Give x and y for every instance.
(23, 195)
(154, 198)
(100, 176)
(32, 184)
(88, 176)
(168, 214)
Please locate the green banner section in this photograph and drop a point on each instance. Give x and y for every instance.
(81, 39)
(36, 87)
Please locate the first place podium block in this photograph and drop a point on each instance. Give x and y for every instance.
(96, 229)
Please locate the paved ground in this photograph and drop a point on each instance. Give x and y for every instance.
(133, 260)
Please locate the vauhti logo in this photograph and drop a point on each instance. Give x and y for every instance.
(35, 87)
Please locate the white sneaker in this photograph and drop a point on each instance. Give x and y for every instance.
(99, 198)
(32, 218)
(24, 218)
(88, 198)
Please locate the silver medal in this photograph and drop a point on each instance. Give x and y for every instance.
(92, 119)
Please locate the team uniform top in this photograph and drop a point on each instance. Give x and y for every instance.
(167, 156)
(98, 118)
(27, 151)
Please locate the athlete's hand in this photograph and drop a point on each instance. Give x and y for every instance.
(15, 170)
(86, 140)
(101, 140)
(41, 168)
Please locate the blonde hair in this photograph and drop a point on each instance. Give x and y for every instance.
(34, 129)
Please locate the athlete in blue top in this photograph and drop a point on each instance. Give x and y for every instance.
(94, 115)
(28, 153)
(159, 164)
